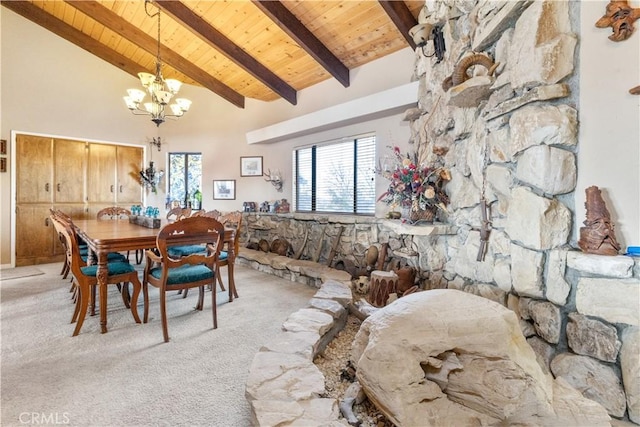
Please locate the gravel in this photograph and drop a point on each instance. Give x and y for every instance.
(334, 364)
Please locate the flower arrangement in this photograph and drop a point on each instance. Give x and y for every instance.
(416, 186)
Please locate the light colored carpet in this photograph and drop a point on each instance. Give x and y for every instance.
(20, 272)
(129, 376)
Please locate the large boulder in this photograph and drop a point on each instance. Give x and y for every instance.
(448, 358)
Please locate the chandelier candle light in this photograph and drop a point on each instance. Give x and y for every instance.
(160, 90)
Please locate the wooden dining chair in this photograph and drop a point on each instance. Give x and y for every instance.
(86, 280)
(178, 213)
(180, 273)
(64, 218)
(113, 212)
(231, 220)
(211, 214)
(118, 213)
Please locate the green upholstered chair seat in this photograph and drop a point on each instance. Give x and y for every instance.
(184, 274)
(185, 250)
(111, 257)
(113, 267)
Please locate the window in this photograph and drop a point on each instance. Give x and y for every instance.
(337, 176)
(185, 177)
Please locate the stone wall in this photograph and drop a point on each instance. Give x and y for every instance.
(512, 137)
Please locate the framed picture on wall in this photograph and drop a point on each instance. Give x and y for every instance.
(251, 166)
(224, 189)
(3, 146)
(3, 164)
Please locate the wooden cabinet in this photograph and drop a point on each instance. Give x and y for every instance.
(34, 234)
(78, 177)
(113, 175)
(34, 175)
(129, 165)
(69, 167)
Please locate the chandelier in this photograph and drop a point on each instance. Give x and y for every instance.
(160, 90)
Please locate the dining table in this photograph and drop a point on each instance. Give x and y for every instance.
(119, 235)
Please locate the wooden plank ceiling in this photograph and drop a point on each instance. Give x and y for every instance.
(236, 48)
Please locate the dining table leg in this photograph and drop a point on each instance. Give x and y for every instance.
(102, 275)
(232, 283)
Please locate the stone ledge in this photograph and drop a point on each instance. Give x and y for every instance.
(304, 271)
(284, 387)
(620, 266)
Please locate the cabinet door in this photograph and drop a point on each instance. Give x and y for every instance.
(69, 166)
(101, 174)
(35, 245)
(34, 170)
(129, 166)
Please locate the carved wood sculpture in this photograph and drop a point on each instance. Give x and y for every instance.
(620, 17)
(597, 236)
(460, 75)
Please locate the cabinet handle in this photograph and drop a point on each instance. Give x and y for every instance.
(46, 187)
(58, 187)
(112, 188)
(121, 188)
(46, 222)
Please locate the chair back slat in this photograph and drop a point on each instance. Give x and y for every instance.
(72, 250)
(197, 230)
(176, 214)
(113, 212)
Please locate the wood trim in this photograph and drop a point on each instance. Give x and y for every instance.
(130, 32)
(235, 53)
(401, 17)
(310, 43)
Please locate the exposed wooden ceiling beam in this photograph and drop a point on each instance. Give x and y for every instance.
(213, 37)
(305, 38)
(35, 14)
(401, 17)
(130, 32)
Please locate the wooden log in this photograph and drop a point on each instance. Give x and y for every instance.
(298, 253)
(382, 255)
(316, 255)
(334, 246)
(382, 284)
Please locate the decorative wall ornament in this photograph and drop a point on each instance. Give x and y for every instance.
(597, 236)
(460, 75)
(150, 177)
(620, 17)
(275, 178)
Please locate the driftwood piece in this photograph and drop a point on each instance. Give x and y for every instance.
(316, 255)
(298, 253)
(334, 246)
(382, 284)
(352, 395)
(485, 230)
(382, 255)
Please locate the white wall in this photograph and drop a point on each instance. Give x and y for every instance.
(50, 86)
(609, 139)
